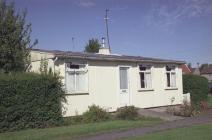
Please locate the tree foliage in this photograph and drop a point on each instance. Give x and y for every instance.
(92, 46)
(197, 86)
(29, 100)
(15, 43)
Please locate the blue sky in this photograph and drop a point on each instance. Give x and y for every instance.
(172, 29)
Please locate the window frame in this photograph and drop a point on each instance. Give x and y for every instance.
(148, 70)
(170, 72)
(76, 71)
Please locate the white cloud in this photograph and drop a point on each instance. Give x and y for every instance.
(120, 8)
(87, 3)
(170, 14)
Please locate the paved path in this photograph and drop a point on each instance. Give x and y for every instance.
(204, 118)
(155, 114)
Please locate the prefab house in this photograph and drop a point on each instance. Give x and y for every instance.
(111, 80)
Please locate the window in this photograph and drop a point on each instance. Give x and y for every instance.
(123, 78)
(170, 76)
(145, 76)
(76, 78)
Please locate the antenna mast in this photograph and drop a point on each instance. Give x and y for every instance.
(73, 43)
(106, 23)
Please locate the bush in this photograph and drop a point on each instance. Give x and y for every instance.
(95, 114)
(73, 120)
(186, 110)
(197, 86)
(127, 113)
(30, 100)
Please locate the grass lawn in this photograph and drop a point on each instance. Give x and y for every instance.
(68, 132)
(209, 101)
(198, 132)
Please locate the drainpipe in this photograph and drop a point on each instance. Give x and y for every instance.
(54, 60)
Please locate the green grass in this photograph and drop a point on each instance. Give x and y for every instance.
(209, 101)
(198, 132)
(68, 132)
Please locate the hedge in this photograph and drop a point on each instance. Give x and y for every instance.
(30, 100)
(197, 86)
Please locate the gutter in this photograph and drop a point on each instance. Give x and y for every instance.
(123, 60)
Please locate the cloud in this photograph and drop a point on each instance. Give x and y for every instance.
(168, 14)
(86, 3)
(120, 8)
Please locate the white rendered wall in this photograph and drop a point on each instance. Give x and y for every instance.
(103, 86)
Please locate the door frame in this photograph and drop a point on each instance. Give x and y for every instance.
(118, 85)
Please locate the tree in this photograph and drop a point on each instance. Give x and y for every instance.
(15, 43)
(92, 46)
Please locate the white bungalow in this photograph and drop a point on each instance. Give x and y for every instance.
(111, 80)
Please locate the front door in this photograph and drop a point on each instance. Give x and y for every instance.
(124, 86)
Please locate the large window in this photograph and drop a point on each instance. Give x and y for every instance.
(145, 76)
(170, 76)
(76, 78)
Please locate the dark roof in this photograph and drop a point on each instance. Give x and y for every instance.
(207, 70)
(111, 57)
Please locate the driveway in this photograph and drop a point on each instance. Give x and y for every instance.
(201, 119)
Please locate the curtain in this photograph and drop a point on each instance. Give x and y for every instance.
(81, 81)
(148, 80)
(173, 79)
(70, 81)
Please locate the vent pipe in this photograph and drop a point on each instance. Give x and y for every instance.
(103, 49)
(103, 42)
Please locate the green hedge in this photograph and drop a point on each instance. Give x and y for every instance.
(29, 100)
(197, 86)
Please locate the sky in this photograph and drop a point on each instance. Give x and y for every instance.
(170, 29)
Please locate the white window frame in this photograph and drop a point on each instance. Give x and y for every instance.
(75, 71)
(172, 71)
(147, 71)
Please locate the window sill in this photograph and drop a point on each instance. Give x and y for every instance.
(77, 93)
(145, 89)
(171, 88)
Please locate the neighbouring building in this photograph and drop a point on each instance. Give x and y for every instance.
(196, 71)
(111, 80)
(207, 73)
(185, 69)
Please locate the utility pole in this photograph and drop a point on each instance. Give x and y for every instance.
(106, 23)
(73, 43)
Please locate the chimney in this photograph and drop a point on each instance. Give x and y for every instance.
(103, 49)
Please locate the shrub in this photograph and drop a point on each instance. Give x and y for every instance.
(95, 114)
(197, 86)
(170, 110)
(203, 106)
(73, 120)
(186, 110)
(29, 100)
(127, 113)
